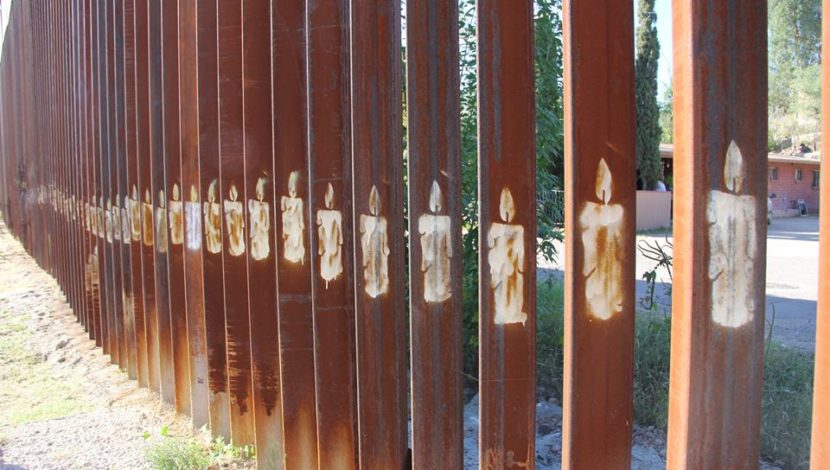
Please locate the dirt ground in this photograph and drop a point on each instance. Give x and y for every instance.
(62, 404)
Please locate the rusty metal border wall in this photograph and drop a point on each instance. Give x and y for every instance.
(220, 190)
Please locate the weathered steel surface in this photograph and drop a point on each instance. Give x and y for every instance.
(127, 343)
(158, 184)
(192, 211)
(145, 191)
(507, 237)
(720, 89)
(175, 205)
(236, 241)
(131, 198)
(294, 256)
(212, 220)
(435, 299)
(820, 448)
(329, 162)
(261, 204)
(377, 172)
(600, 167)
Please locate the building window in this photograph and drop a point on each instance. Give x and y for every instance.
(816, 177)
(799, 175)
(773, 174)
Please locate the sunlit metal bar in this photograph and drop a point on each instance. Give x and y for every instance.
(600, 205)
(720, 129)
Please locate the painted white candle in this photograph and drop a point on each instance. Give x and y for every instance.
(147, 220)
(176, 217)
(292, 222)
(115, 212)
(107, 213)
(161, 225)
(601, 225)
(213, 220)
(125, 220)
(506, 257)
(235, 223)
(330, 233)
(259, 213)
(374, 241)
(193, 221)
(732, 246)
(436, 249)
(135, 215)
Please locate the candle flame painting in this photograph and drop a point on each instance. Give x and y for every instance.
(161, 224)
(330, 233)
(259, 215)
(212, 212)
(135, 215)
(732, 219)
(601, 224)
(147, 220)
(374, 241)
(506, 257)
(235, 223)
(176, 216)
(436, 249)
(193, 221)
(293, 224)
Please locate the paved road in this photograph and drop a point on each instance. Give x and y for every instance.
(792, 279)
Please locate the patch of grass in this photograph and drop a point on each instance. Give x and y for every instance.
(550, 336)
(167, 452)
(28, 383)
(652, 349)
(787, 407)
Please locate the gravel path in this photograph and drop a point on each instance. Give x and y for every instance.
(62, 404)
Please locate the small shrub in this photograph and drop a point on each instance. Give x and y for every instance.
(652, 352)
(169, 453)
(550, 337)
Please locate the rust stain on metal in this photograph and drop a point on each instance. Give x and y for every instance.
(720, 80)
(436, 312)
(600, 204)
(507, 267)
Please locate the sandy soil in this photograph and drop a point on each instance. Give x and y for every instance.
(62, 404)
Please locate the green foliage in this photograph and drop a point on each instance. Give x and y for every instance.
(167, 452)
(787, 407)
(549, 145)
(649, 165)
(667, 117)
(550, 336)
(794, 75)
(652, 348)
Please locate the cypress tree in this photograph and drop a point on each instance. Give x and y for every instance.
(649, 165)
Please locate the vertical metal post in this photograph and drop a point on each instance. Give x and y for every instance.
(262, 252)
(146, 151)
(329, 163)
(820, 447)
(294, 256)
(507, 237)
(435, 300)
(377, 175)
(210, 171)
(158, 184)
(720, 90)
(236, 243)
(600, 169)
(175, 205)
(131, 193)
(193, 284)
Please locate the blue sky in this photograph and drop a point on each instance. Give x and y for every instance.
(663, 10)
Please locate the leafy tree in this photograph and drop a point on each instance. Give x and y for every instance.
(649, 165)
(794, 75)
(549, 148)
(667, 116)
